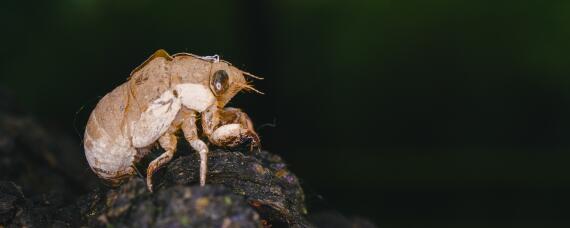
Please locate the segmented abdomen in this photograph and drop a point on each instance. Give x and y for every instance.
(106, 141)
(134, 115)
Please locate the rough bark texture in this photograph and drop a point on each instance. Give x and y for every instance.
(45, 182)
(131, 205)
(262, 179)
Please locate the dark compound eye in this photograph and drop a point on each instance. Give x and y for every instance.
(219, 82)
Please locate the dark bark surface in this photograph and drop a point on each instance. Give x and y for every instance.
(262, 179)
(46, 182)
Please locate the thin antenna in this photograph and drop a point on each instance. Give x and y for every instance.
(253, 76)
(253, 89)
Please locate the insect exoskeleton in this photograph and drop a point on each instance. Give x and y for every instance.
(164, 95)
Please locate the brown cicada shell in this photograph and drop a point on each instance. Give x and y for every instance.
(162, 96)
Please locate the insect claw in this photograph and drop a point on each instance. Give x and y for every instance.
(255, 147)
(254, 142)
(137, 171)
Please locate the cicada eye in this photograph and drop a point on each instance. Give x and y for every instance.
(219, 82)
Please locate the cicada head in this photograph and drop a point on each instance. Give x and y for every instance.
(226, 81)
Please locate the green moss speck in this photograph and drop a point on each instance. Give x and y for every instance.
(184, 220)
(227, 200)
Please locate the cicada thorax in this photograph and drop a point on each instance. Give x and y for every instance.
(187, 69)
(150, 82)
(151, 90)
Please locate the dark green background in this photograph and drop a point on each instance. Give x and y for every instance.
(412, 113)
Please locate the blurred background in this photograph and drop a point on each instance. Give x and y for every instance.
(411, 113)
